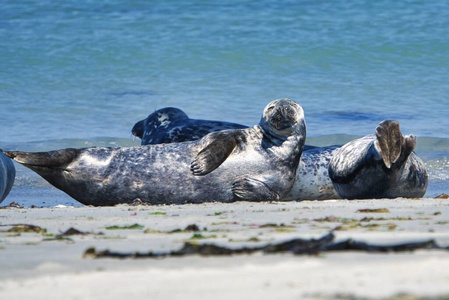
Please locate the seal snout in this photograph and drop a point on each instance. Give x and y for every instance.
(284, 117)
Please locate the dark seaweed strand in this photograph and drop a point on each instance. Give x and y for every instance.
(295, 246)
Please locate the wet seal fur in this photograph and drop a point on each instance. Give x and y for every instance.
(375, 166)
(253, 164)
(172, 125)
(7, 176)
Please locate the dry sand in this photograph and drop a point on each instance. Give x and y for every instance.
(48, 266)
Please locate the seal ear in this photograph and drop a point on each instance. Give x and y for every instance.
(214, 153)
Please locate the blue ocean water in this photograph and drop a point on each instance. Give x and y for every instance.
(77, 73)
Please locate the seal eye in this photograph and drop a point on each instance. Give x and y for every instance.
(270, 108)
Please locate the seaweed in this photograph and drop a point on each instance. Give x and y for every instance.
(25, 228)
(189, 228)
(296, 246)
(373, 210)
(72, 231)
(13, 205)
(116, 227)
(199, 236)
(442, 196)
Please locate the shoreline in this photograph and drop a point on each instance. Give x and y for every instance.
(38, 263)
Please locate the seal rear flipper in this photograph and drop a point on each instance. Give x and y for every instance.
(50, 159)
(389, 141)
(214, 153)
(250, 189)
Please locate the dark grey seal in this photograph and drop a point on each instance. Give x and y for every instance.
(382, 165)
(360, 169)
(7, 175)
(253, 164)
(172, 125)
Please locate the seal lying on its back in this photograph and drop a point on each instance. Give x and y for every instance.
(375, 166)
(7, 175)
(172, 125)
(359, 169)
(254, 164)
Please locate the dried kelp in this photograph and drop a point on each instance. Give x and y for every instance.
(25, 228)
(295, 246)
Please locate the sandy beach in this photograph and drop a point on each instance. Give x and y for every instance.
(44, 260)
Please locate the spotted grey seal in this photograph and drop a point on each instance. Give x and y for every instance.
(7, 175)
(172, 125)
(254, 164)
(359, 169)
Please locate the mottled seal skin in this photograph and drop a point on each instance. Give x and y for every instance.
(253, 164)
(7, 176)
(172, 125)
(358, 169)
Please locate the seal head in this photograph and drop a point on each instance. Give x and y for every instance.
(282, 118)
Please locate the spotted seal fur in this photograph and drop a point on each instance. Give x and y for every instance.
(361, 168)
(7, 175)
(172, 125)
(253, 164)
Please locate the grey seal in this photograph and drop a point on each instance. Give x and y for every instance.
(382, 165)
(7, 176)
(360, 169)
(379, 166)
(172, 125)
(253, 164)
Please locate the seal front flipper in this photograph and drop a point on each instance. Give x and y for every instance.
(250, 189)
(219, 145)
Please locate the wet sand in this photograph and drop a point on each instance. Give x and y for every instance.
(48, 264)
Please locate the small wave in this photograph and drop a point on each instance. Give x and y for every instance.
(362, 116)
(438, 169)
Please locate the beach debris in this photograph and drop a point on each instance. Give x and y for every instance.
(189, 228)
(253, 239)
(333, 219)
(25, 228)
(370, 226)
(59, 237)
(133, 226)
(137, 202)
(13, 205)
(158, 213)
(296, 246)
(199, 236)
(73, 231)
(373, 210)
(442, 196)
(273, 225)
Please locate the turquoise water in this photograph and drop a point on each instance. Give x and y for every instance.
(76, 73)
